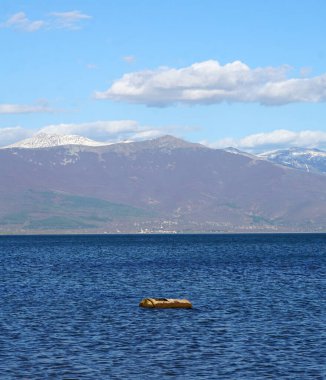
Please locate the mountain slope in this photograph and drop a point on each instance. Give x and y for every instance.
(176, 185)
(46, 210)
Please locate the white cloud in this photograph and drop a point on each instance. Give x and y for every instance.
(276, 139)
(209, 82)
(56, 20)
(129, 58)
(305, 71)
(91, 66)
(68, 20)
(108, 131)
(11, 135)
(22, 22)
(23, 108)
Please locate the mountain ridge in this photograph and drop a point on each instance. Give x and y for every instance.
(46, 140)
(304, 159)
(179, 186)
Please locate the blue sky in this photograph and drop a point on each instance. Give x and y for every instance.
(251, 74)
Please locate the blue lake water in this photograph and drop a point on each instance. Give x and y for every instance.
(69, 307)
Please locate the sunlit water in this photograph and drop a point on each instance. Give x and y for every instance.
(69, 307)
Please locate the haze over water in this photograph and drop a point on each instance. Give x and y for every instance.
(69, 307)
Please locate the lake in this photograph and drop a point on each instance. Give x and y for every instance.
(69, 307)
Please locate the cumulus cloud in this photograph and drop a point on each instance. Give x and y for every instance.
(11, 135)
(209, 82)
(305, 71)
(107, 131)
(23, 108)
(277, 139)
(22, 22)
(68, 20)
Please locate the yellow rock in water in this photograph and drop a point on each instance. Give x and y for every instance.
(165, 303)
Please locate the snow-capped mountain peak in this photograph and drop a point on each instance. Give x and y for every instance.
(310, 160)
(294, 152)
(45, 140)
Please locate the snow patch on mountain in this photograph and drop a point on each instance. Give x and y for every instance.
(294, 152)
(310, 160)
(240, 152)
(45, 140)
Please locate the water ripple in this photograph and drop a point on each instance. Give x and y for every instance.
(69, 307)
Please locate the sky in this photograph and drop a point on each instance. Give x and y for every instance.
(247, 74)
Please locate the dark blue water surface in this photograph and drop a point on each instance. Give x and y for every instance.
(69, 307)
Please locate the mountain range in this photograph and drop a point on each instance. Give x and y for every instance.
(52, 184)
